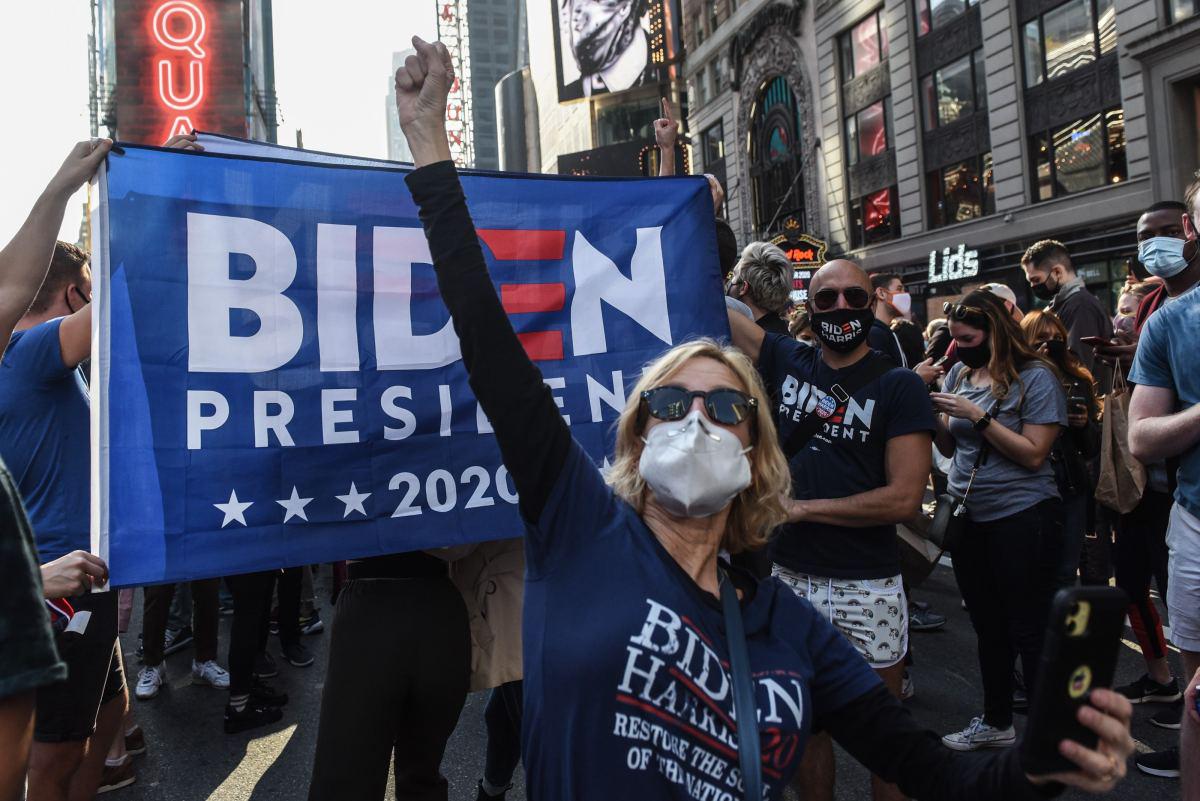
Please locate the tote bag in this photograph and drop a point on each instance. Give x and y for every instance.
(1122, 478)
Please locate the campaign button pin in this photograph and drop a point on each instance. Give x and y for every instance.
(826, 406)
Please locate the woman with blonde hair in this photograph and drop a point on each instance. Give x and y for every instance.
(652, 669)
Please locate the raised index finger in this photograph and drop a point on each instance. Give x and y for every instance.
(666, 109)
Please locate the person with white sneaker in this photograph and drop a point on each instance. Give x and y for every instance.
(1164, 423)
(157, 605)
(1004, 398)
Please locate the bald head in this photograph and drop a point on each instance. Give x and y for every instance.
(839, 274)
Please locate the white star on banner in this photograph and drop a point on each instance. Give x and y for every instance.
(234, 509)
(354, 501)
(294, 506)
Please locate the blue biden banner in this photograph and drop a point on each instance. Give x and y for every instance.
(275, 378)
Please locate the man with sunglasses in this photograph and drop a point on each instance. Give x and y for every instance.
(862, 471)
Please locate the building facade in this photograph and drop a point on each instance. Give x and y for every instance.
(162, 67)
(397, 142)
(604, 131)
(497, 48)
(939, 138)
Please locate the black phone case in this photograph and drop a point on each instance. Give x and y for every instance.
(1077, 657)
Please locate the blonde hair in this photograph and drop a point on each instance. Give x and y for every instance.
(756, 510)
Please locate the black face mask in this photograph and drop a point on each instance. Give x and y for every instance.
(842, 330)
(1044, 290)
(975, 356)
(1056, 349)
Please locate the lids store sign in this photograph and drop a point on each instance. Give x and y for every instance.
(953, 264)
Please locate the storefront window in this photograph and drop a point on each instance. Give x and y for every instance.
(1043, 177)
(980, 79)
(866, 133)
(936, 13)
(720, 67)
(953, 91)
(1068, 36)
(864, 46)
(929, 118)
(1033, 53)
(1079, 155)
(956, 91)
(1083, 155)
(1182, 9)
(1114, 124)
(712, 143)
(872, 131)
(961, 191)
(1106, 25)
(873, 218)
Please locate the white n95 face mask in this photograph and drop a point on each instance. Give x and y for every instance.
(1163, 256)
(694, 467)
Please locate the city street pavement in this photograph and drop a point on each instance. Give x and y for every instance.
(191, 759)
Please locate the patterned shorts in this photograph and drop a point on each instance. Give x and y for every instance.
(871, 613)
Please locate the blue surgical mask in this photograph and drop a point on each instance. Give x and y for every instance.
(1163, 255)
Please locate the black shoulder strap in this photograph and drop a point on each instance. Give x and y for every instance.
(871, 367)
(744, 706)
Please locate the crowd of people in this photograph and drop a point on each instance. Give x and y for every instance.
(739, 559)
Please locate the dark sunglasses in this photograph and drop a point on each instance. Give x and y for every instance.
(726, 406)
(961, 313)
(856, 298)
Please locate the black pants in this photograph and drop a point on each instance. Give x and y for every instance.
(1140, 553)
(157, 608)
(251, 612)
(1005, 570)
(399, 669)
(286, 584)
(503, 719)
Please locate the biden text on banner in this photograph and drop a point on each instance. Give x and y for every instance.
(278, 381)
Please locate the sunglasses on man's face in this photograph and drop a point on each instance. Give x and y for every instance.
(726, 406)
(856, 298)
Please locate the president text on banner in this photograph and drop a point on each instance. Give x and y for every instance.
(276, 379)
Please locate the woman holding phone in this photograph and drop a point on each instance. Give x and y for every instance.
(1078, 443)
(625, 641)
(1001, 412)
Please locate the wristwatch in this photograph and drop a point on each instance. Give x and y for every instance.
(982, 422)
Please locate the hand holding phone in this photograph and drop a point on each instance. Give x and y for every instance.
(1078, 731)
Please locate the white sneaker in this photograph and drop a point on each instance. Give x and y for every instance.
(907, 688)
(980, 735)
(210, 673)
(150, 680)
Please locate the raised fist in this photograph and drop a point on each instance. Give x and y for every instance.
(422, 85)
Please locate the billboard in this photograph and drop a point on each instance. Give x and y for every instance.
(179, 67)
(608, 46)
(453, 33)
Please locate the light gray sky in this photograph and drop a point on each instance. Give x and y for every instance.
(332, 62)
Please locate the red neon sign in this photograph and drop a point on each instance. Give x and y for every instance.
(180, 26)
